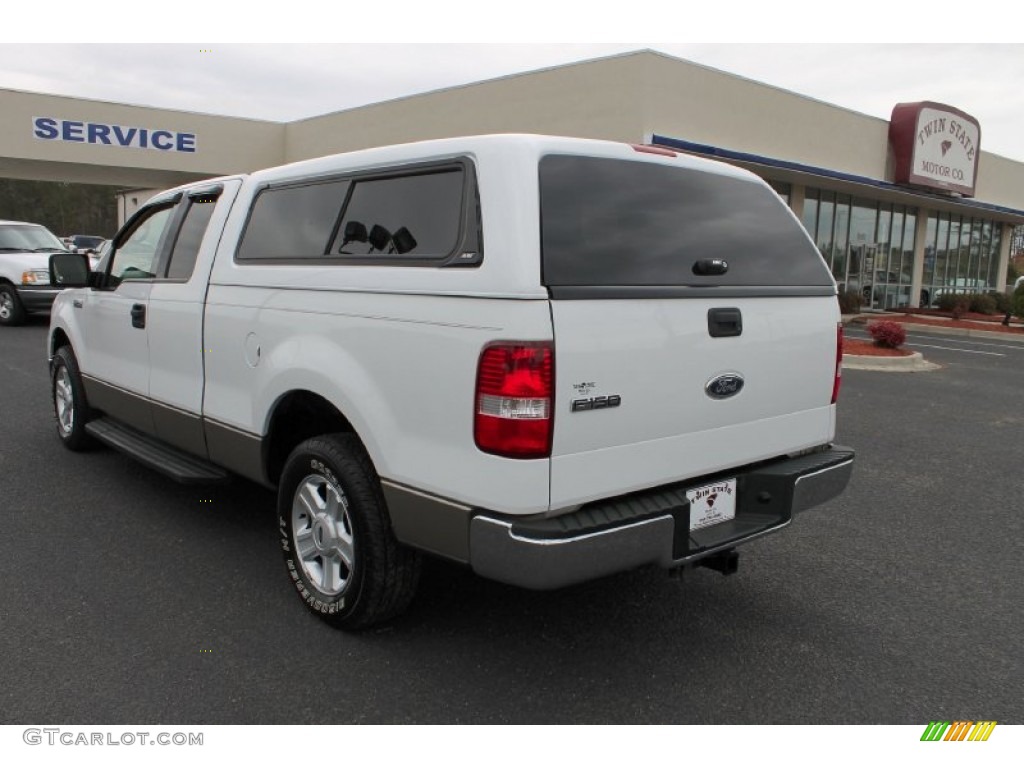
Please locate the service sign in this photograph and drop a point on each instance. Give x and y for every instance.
(935, 146)
(108, 134)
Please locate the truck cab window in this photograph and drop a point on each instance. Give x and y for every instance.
(190, 237)
(136, 256)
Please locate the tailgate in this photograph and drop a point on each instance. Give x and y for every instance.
(653, 361)
(695, 323)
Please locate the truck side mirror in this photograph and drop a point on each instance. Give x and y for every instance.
(69, 270)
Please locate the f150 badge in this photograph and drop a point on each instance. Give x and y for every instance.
(726, 385)
(596, 403)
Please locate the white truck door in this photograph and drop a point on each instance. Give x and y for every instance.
(114, 318)
(175, 316)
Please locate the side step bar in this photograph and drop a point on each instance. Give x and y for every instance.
(155, 454)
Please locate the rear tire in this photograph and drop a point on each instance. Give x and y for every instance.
(12, 312)
(70, 406)
(339, 549)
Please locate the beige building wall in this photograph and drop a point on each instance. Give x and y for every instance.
(620, 98)
(696, 103)
(600, 99)
(688, 101)
(223, 144)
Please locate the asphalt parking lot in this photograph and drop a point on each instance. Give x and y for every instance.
(130, 599)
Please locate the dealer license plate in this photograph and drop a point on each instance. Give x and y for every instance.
(712, 504)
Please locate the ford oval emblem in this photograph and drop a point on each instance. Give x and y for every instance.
(726, 385)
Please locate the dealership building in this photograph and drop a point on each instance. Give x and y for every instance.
(901, 209)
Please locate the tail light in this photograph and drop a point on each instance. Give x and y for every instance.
(839, 363)
(514, 392)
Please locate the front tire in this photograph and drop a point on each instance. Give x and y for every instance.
(12, 312)
(339, 549)
(70, 406)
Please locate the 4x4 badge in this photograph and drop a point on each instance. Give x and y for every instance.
(726, 385)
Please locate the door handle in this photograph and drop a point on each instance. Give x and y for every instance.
(138, 315)
(724, 322)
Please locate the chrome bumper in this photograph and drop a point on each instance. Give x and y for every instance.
(651, 527)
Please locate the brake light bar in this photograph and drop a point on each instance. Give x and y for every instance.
(839, 363)
(654, 150)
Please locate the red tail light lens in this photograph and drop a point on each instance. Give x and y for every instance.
(514, 392)
(839, 363)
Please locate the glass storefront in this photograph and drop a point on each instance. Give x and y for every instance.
(868, 245)
(961, 255)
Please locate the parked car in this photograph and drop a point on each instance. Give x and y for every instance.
(84, 243)
(875, 292)
(96, 255)
(25, 250)
(960, 285)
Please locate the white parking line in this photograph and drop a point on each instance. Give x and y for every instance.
(977, 343)
(958, 349)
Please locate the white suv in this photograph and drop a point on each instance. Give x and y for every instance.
(24, 275)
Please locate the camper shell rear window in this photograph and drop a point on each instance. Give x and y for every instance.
(623, 223)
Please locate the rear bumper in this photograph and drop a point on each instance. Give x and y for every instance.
(37, 299)
(651, 527)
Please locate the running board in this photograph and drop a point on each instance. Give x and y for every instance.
(156, 454)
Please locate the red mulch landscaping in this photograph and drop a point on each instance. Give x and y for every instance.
(971, 320)
(868, 349)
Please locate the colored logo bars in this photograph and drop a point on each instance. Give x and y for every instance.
(961, 730)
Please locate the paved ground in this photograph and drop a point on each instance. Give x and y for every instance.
(898, 603)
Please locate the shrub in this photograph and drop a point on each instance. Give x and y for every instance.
(982, 303)
(1002, 301)
(955, 303)
(850, 302)
(887, 334)
(1017, 304)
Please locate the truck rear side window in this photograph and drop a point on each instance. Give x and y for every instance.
(293, 222)
(412, 216)
(609, 222)
(389, 217)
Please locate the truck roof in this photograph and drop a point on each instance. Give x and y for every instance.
(522, 146)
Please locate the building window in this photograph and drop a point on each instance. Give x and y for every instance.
(962, 258)
(868, 245)
(810, 214)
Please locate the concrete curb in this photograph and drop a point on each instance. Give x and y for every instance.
(913, 363)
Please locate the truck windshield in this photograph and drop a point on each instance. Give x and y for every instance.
(609, 222)
(28, 237)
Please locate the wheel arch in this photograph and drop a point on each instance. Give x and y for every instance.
(296, 416)
(59, 338)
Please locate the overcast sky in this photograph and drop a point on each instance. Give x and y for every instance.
(287, 82)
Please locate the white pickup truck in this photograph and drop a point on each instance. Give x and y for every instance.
(549, 359)
(25, 288)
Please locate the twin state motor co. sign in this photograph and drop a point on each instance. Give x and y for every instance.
(935, 146)
(83, 132)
